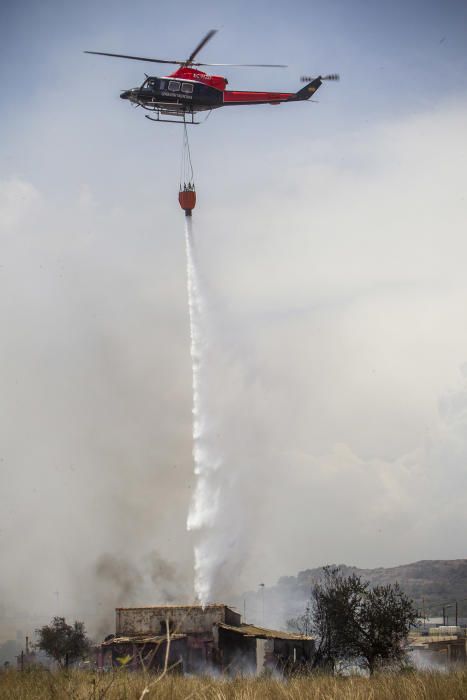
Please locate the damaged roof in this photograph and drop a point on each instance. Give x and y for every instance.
(263, 633)
(142, 639)
(170, 605)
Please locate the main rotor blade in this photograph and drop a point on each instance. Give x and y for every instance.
(188, 62)
(244, 65)
(136, 58)
(202, 43)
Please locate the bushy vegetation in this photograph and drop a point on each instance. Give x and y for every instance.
(356, 625)
(81, 685)
(63, 643)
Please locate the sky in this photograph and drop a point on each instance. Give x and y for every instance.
(331, 242)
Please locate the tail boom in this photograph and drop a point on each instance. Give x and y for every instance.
(241, 97)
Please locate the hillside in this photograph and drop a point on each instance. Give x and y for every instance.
(430, 583)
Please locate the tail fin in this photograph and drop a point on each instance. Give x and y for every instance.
(309, 90)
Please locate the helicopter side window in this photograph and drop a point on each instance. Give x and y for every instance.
(187, 87)
(174, 85)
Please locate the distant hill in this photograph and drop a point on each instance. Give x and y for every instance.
(430, 583)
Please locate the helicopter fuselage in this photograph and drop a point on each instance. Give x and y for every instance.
(187, 91)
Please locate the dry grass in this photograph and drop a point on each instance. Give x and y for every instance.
(76, 685)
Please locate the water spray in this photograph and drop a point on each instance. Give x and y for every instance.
(204, 505)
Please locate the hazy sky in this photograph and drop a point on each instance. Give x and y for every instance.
(331, 238)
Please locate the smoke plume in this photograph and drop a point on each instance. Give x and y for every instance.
(122, 581)
(332, 338)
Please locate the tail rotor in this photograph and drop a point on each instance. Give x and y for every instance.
(331, 76)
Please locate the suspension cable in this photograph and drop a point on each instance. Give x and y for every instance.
(186, 166)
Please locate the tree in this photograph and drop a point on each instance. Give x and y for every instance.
(357, 624)
(64, 643)
(302, 623)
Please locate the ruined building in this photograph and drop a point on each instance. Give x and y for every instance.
(199, 640)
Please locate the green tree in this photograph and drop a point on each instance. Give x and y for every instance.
(358, 625)
(64, 643)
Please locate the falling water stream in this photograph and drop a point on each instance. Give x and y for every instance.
(204, 504)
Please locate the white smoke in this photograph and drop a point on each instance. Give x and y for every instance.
(343, 330)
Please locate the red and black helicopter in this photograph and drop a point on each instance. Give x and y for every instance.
(189, 90)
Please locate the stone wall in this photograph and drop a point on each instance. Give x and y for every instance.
(183, 619)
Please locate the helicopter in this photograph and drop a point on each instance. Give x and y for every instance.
(178, 97)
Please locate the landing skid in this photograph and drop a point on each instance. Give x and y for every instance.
(181, 120)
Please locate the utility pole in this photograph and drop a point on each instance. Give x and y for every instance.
(445, 614)
(307, 620)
